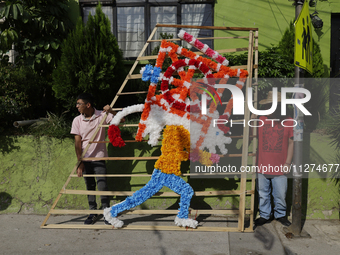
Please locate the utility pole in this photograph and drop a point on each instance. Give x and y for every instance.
(296, 227)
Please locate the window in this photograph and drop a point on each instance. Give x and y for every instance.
(132, 21)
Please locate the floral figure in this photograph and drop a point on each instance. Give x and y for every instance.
(177, 109)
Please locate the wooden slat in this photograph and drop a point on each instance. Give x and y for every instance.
(134, 76)
(231, 50)
(149, 175)
(132, 93)
(122, 125)
(120, 158)
(236, 155)
(150, 158)
(209, 27)
(245, 153)
(141, 227)
(202, 38)
(158, 194)
(134, 141)
(254, 130)
(150, 212)
(196, 52)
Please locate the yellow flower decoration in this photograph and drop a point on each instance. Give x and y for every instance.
(205, 158)
(175, 149)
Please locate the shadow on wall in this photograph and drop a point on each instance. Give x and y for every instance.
(7, 144)
(5, 201)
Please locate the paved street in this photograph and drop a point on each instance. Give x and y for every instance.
(21, 234)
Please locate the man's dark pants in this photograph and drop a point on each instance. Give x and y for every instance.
(96, 167)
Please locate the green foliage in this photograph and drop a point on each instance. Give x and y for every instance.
(53, 126)
(333, 130)
(23, 94)
(91, 62)
(286, 48)
(272, 64)
(36, 28)
(286, 44)
(167, 61)
(317, 104)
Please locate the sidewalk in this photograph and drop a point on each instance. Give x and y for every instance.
(21, 234)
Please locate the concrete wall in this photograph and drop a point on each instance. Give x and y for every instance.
(33, 171)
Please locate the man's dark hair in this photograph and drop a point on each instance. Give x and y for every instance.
(87, 98)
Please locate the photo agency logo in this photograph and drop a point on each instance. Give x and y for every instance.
(300, 96)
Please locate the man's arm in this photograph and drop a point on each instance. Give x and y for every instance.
(108, 109)
(79, 151)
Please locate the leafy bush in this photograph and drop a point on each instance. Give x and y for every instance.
(272, 64)
(53, 126)
(23, 94)
(91, 62)
(333, 130)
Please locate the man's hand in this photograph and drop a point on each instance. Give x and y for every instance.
(80, 169)
(108, 109)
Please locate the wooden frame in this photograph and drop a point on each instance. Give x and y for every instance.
(252, 67)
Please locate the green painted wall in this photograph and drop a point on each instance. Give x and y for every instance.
(33, 171)
(271, 17)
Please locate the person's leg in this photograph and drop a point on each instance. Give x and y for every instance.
(279, 184)
(100, 168)
(183, 189)
(140, 196)
(90, 185)
(264, 190)
(186, 192)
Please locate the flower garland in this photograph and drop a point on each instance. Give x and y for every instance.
(114, 131)
(202, 47)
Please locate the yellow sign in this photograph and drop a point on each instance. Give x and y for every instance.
(303, 56)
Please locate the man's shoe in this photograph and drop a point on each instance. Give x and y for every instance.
(284, 221)
(261, 221)
(91, 219)
(106, 222)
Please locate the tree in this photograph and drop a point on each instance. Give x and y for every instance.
(36, 28)
(91, 62)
